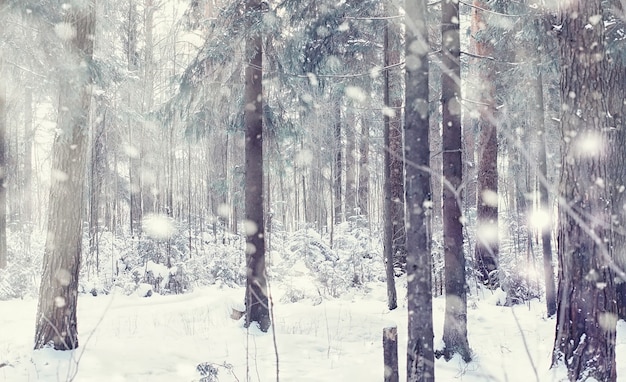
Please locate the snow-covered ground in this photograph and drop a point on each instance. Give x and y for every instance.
(164, 338)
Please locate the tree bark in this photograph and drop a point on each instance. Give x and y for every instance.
(389, 156)
(337, 183)
(257, 308)
(3, 168)
(395, 234)
(617, 109)
(586, 312)
(350, 198)
(455, 322)
(420, 353)
(544, 196)
(134, 150)
(96, 178)
(363, 193)
(58, 294)
(486, 251)
(390, 354)
(27, 194)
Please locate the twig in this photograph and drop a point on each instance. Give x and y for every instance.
(487, 10)
(530, 358)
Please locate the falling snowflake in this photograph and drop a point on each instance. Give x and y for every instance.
(158, 226)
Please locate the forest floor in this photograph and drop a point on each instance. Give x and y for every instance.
(164, 338)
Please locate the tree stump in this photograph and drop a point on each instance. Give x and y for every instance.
(390, 353)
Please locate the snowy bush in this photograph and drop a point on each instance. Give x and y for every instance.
(352, 263)
(518, 286)
(23, 273)
(218, 263)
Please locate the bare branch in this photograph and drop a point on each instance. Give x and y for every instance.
(488, 10)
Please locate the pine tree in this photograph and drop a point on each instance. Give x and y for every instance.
(257, 304)
(56, 311)
(586, 312)
(486, 251)
(455, 322)
(420, 352)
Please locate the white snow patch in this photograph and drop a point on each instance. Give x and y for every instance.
(166, 337)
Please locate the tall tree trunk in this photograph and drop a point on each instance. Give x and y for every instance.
(617, 109)
(3, 168)
(586, 312)
(351, 166)
(58, 294)
(147, 165)
(27, 194)
(486, 252)
(363, 194)
(134, 149)
(96, 177)
(455, 322)
(420, 353)
(395, 234)
(337, 183)
(388, 216)
(544, 196)
(257, 308)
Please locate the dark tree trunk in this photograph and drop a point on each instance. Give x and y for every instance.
(390, 154)
(455, 322)
(395, 234)
(390, 354)
(58, 294)
(420, 353)
(257, 304)
(586, 312)
(486, 252)
(3, 169)
(617, 109)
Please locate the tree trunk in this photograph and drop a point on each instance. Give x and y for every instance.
(96, 177)
(389, 156)
(486, 252)
(393, 156)
(3, 168)
(147, 163)
(134, 149)
(420, 354)
(338, 163)
(363, 193)
(351, 166)
(586, 312)
(455, 322)
(58, 294)
(27, 193)
(617, 109)
(544, 196)
(257, 308)
(390, 354)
